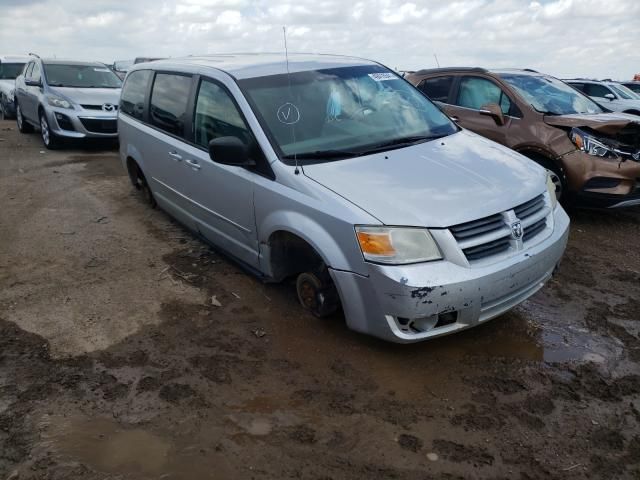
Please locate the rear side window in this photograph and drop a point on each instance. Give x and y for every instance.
(217, 116)
(579, 86)
(133, 93)
(595, 90)
(476, 92)
(438, 88)
(169, 99)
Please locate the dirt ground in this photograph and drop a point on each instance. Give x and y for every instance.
(114, 364)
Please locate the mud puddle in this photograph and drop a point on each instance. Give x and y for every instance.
(108, 447)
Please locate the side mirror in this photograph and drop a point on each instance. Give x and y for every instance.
(33, 83)
(610, 96)
(230, 151)
(495, 111)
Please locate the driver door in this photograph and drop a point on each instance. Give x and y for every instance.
(32, 94)
(473, 95)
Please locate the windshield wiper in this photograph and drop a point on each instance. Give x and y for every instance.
(400, 142)
(322, 155)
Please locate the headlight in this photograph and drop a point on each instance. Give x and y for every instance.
(551, 188)
(55, 101)
(397, 245)
(589, 144)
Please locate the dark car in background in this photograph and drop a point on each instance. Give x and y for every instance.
(593, 155)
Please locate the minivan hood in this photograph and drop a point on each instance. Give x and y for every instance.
(605, 123)
(439, 183)
(89, 96)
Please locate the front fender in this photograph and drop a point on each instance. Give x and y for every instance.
(326, 244)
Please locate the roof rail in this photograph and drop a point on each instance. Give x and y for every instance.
(530, 70)
(449, 69)
(34, 55)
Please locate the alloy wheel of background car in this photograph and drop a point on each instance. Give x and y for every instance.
(23, 126)
(48, 137)
(557, 181)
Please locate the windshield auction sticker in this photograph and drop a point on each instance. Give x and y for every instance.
(288, 114)
(381, 77)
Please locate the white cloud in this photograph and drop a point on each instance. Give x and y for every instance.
(562, 37)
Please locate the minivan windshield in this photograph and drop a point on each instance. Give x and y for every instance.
(343, 112)
(551, 96)
(80, 76)
(9, 71)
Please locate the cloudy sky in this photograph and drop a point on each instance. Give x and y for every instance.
(561, 37)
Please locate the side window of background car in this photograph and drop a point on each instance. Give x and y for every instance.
(476, 92)
(217, 116)
(134, 91)
(438, 88)
(169, 98)
(595, 90)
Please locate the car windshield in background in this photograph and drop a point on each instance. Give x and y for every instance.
(624, 92)
(551, 96)
(9, 71)
(343, 112)
(81, 76)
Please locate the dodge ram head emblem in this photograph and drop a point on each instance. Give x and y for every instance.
(516, 230)
(108, 107)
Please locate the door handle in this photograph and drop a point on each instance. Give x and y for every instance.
(454, 118)
(193, 164)
(176, 156)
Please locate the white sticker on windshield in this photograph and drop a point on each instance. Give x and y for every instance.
(381, 77)
(288, 114)
(100, 69)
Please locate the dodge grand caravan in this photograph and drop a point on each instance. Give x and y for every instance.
(336, 172)
(592, 155)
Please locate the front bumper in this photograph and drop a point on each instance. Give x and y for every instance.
(601, 183)
(82, 123)
(444, 295)
(8, 106)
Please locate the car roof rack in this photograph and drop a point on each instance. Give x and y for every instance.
(34, 55)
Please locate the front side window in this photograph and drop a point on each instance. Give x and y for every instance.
(9, 71)
(217, 116)
(169, 98)
(341, 112)
(35, 73)
(80, 76)
(549, 95)
(596, 90)
(29, 69)
(132, 99)
(477, 92)
(437, 89)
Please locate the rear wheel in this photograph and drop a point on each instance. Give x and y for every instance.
(140, 183)
(23, 125)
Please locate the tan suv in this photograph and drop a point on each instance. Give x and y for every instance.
(593, 154)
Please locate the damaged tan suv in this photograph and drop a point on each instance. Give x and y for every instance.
(593, 154)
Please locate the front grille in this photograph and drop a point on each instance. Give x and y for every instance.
(97, 107)
(491, 236)
(529, 208)
(100, 126)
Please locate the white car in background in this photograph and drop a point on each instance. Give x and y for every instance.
(609, 94)
(10, 67)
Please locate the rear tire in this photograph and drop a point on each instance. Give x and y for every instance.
(140, 183)
(23, 125)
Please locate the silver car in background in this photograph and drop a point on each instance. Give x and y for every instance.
(608, 94)
(10, 67)
(336, 173)
(67, 99)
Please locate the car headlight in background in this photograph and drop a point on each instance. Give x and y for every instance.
(551, 188)
(589, 144)
(59, 102)
(397, 245)
(12, 94)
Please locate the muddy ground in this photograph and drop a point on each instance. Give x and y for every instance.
(114, 364)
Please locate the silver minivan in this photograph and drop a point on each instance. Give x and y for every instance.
(336, 172)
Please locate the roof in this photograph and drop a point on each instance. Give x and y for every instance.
(60, 61)
(14, 58)
(248, 65)
(431, 71)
